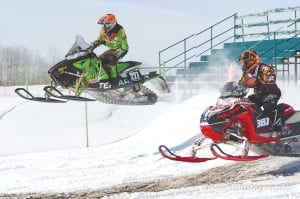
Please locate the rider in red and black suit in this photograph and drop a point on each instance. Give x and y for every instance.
(261, 77)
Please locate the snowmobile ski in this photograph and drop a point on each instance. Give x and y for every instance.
(170, 155)
(22, 92)
(52, 91)
(221, 154)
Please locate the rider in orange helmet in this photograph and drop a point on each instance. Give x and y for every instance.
(261, 77)
(113, 36)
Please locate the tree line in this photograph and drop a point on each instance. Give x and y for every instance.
(19, 65)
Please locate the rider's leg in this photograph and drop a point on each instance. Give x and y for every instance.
(270, 107)
(110, 60)
(107, 65)
(257, 99)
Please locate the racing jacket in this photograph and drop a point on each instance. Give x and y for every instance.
(115, 39)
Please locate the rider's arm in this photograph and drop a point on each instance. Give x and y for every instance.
(100, 40)
(248, 80)
(243, 79)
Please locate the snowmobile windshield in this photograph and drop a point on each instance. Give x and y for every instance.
(232, 93)
(226, 102)
(233, 89)
(78, 49)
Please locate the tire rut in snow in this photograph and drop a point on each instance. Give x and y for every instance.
(223, 174)
(9, 110)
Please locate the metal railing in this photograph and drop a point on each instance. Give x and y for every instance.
(274, 48)
(187, 53)
(184, 52)
(265, 21)
(176, 62)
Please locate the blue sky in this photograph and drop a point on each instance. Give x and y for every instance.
(150, 25)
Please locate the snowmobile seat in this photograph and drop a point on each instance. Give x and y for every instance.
(285, 111)
(294, 118)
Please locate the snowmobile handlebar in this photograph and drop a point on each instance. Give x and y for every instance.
(91, 48)
(233, 89)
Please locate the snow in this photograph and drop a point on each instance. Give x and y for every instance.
(43, 147)
(43, 151)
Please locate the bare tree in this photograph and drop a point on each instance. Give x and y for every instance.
(54, 55)
(18, 64)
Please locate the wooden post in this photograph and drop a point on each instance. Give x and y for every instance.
(86, 124)
(242, 21)
(184, 48)
(296, 71)
(26, 76)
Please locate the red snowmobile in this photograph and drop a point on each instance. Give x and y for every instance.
(237, 121)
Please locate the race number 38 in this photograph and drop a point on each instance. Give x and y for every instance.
(263, 122)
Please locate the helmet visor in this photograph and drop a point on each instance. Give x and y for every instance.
(107, 25)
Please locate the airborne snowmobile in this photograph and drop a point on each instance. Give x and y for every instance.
(237, 121)
(82, 72)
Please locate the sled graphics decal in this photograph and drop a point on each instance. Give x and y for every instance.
(124, 82)
(229, 113)
(263, 122)
(287, 130)
(104, 85)
(134, 75)
(277, 120)
(62, 69)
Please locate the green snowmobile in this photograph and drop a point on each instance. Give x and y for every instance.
(82, 72)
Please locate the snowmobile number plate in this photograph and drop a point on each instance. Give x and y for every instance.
(134, 76)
